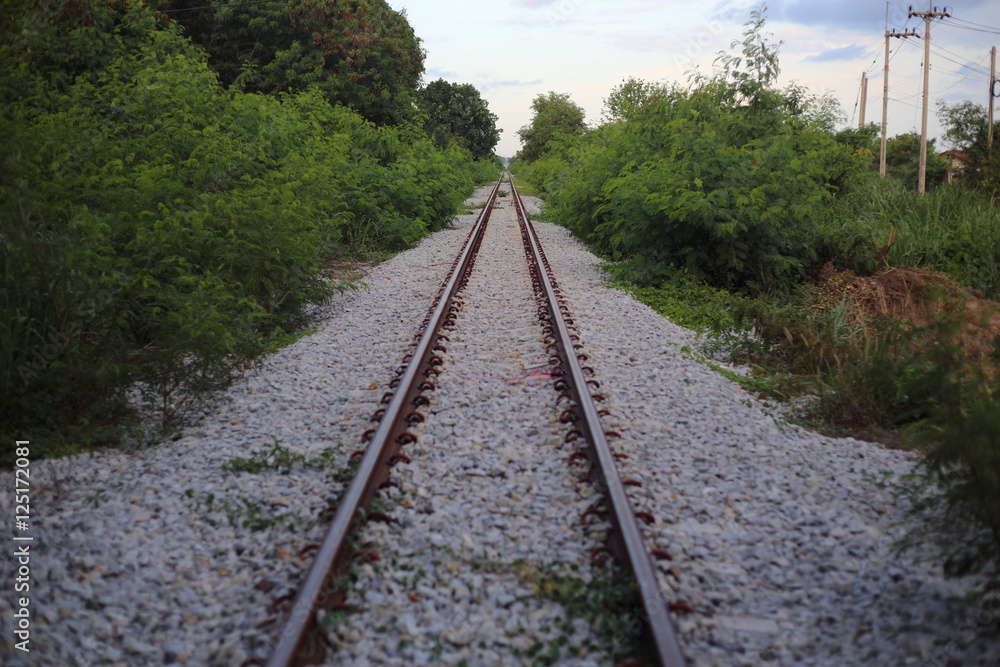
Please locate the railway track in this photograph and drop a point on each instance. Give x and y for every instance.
(571, 450)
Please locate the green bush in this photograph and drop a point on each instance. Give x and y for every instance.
(728, 180)
(955, 489)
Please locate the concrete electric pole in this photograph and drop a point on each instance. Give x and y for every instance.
(864, 99)
(885, 92)
(994, 92)
(927, 16)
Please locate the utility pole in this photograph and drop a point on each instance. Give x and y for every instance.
(885, 90)
(864, 99)
(927, 16)
(994, 92)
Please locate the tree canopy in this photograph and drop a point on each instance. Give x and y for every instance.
(902, 160)
(967, 128)
(555, 115)
(457, 112)
(628, 97)
(360, 53)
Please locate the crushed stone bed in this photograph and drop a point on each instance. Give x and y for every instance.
(781, 544)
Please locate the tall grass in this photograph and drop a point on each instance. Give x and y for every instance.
(951, 228)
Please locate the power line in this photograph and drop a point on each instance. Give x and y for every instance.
(908, 79)
(969, 25)
(967, 74)
(939, 49)
(903, 102)
(943, 54)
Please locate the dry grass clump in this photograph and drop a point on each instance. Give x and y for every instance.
(913, 295)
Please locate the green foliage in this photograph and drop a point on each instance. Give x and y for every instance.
(949, 228)
(457, 112)
(728, 180)
(555, 117)
(157, 230)
(481, 172)
(686, 302)
(854, 374)
(690, 184)
(627, 98)
(862, 150)
(902, 161)
(279, 458)
(360, 53)
(956, 487)
(545, 174)
(609, 604)
(756, 68)
(967, 130)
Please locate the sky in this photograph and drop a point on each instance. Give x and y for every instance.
(515, 50)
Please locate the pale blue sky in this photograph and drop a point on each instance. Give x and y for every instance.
(513, 50)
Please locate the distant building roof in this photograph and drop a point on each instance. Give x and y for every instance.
(958, 155)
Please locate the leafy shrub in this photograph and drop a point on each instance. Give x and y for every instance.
(729, 180)
(955, 490)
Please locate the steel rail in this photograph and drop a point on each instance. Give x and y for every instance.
(298, 641)
(628, 541)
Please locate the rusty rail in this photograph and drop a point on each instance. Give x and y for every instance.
(629, 545)
(299, 642)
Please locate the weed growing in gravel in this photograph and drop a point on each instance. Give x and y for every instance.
(281, 338)
(97, 498)
(331, 619)
(240, 511)
(437, 649)
(609, 604)
(253, 516)
(281, 459)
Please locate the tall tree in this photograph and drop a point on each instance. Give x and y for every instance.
(902, 160)
(630, 96)
(361, 53)
(457, 112)
(555, 115)
(966, 131)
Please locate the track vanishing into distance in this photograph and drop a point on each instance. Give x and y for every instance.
(493, 540)
(607, 528)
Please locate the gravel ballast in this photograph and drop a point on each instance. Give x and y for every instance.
(781, 542)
